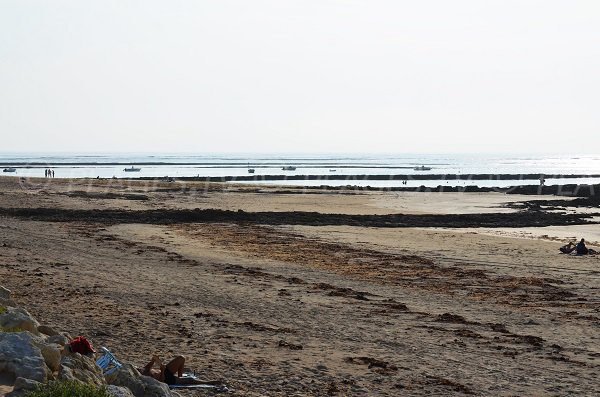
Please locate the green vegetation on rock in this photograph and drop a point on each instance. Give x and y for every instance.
(2, 309)
(11, 329)
(68, 389)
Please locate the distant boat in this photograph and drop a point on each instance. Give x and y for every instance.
(289, 168)
(11, 169)
(250, 170)
(422, 168)
(132, 169)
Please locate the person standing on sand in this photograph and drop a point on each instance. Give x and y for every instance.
(52, 173)
(172, 373)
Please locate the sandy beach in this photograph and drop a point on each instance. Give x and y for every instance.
(354, 307)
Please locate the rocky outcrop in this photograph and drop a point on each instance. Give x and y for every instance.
(51, 353)
(22, 386)
(18, 319)
(140, 386)
(75, 366)
(5, 297)
(20, 356)
(119, 391)
(33, 354)
(58, 340)
(46, 330)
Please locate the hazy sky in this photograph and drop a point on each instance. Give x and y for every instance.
(300, 76)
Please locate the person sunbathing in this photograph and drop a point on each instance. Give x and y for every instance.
(172, 373)
(567, 249)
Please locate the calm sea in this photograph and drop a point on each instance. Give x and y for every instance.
(339, 169)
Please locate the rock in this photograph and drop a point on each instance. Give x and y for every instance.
(22, 386)
(51, 354)
(20, 357)
(119, 391)
(74, 366)
(58, 339)
(46, 330)
(5, 297)
(18, 319)
(140, 386)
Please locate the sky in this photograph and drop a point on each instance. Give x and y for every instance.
(330, 76)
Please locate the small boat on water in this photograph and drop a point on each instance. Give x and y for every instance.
(132, 169)
(250, 170)
(9, 169)
(422, 168)
(289, 168)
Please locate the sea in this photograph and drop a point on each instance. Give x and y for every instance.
(375, 170)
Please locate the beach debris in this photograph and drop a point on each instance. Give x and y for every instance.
(499, 328)
(458, 387)
(371, 363)
(451, 318)
(289, 345)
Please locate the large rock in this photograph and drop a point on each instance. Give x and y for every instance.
(119, 391)
(20, 356)
(140, 386)
(51, 353)
(58, 339)
(18, 319)
(23, 386)
(5, 297)
(74, 366)
(47, 330)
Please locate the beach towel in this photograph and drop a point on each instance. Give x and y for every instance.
(214, 388)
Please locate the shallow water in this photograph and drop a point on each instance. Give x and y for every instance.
(346, 169)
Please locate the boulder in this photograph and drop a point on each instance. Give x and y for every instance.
(58, 339)
(140, 385)
(20, 357)
(46, 330)
(119, 391)
(5, 297)
(22, 386)
(74, 366)
(51, 353)
(18, 319)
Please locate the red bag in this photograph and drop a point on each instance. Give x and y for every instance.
(81, 345)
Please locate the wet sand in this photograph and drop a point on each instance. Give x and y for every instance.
(304, 309)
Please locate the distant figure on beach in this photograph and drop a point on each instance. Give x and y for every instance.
(172, 373)
(579, 248)
(567, 249)
(52, 173)
(46, 173)
(542, 180)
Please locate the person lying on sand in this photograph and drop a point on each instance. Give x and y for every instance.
(579, 248)
(567, 249)
(172, 373)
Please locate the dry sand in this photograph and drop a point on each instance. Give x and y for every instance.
(312, 311)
